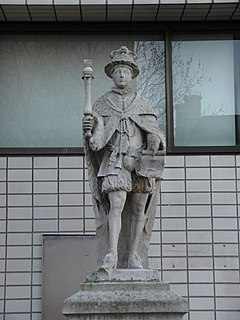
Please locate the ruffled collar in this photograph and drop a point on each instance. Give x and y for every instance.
(122, 91)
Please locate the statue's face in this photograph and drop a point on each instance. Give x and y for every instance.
(122, 76)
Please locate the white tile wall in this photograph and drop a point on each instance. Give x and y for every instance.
(195, 243)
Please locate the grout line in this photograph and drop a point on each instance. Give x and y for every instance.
(161, 238)
(186, 227)
(84, 195)
(212, 228)
(6, 245)
(58, 194)
(237, 210)
(32, 240)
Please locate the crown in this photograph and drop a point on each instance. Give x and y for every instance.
(122, 56)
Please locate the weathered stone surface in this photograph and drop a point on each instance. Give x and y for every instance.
(143, 316)
(124, 298)
(125, 151)
(123, 275)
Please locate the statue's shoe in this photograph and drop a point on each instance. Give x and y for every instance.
(134, 262)
(109, 261)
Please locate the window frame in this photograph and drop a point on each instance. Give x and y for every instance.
(208, 29)
(134, 28)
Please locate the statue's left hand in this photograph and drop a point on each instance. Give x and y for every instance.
(153, 143)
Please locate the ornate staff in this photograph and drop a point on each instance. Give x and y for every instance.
(87, 78)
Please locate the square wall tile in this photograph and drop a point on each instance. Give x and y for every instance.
(173, 237)
(71, 225)
(202, 303)
(20, 162)
(70, 174)
(18, 265)
(40, 2)
(199, 236)
(19, 226)
(197, 161)
(227, 276)
(71, 212)
(224, 198)
(19, 239)
(45, 225)
(200, 249)
(3, 162)
(172, 211)
(174, 161)
(20, 175)
(173, 198)
(197, 173)
(201, 289)
(69, 2)
(71, 162)
(175, 263)
(199, 223)
(172, 186)
(173, 250)
(45, 174)
(228, 290)
(224, 210)
(226, 249)
(201, 276)
(173, 224)
(14, 278)
(45, 162)
(18, 292)
(45, 187)
(173, 174)
(19, 213)
(225, 236)
(198, 185)
(222, 161)
(198, 198)
(18, 306)
(174, 276)
(200, 263)
(20, 187)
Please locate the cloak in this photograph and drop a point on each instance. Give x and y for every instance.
(107, 117)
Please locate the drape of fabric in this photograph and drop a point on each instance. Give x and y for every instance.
(124, 121)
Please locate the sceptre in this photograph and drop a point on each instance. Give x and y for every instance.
(87, 78)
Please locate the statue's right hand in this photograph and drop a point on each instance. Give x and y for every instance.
(88, 123)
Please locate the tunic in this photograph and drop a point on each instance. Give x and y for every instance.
(126, 122)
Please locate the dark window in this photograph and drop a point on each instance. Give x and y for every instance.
(204, 97)
(42, 93)
(191, 76)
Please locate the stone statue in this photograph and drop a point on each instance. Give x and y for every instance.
(124, 150)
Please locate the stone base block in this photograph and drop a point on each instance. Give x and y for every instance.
(126, 295)
(144, 316)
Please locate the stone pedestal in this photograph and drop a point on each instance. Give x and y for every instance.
(127, 295)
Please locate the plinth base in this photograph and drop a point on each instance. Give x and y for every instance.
(126, 295)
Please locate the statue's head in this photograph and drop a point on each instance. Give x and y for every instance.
(122, 57)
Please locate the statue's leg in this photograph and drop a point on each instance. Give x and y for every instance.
(117, 201)
(138, 220)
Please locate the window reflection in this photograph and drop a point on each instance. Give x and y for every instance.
(42, 94)
(203, 93)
